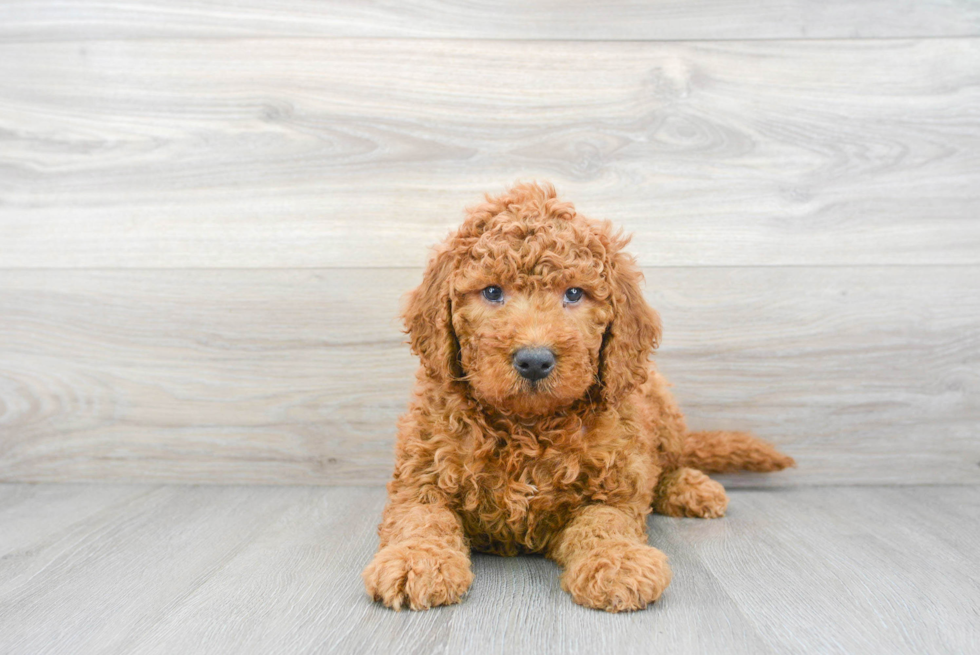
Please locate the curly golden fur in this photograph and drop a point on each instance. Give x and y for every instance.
(569, 465)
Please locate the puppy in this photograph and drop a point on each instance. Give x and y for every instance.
(538, 423)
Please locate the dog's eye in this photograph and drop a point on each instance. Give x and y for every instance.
(493, 293)
(573, 295)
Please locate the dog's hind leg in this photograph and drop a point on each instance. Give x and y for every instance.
(689, 492)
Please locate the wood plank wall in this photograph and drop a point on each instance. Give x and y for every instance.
(209, 211)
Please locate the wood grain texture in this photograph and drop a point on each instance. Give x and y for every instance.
(296, 152)
(866, 375)
(31, 513)
(277, 570)
(32, 20)
(838, 553)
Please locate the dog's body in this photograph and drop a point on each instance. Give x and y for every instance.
(538, 422)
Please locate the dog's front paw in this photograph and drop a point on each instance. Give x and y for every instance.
(418, 575)
(617, 577)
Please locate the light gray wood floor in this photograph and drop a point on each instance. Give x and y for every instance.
(183, 569)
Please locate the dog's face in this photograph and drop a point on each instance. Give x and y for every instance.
(533, 307)
(530, 336)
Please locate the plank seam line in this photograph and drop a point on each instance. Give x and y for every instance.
(4, 40)
(419, 267)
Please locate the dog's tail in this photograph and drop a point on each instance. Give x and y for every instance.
(726, 452)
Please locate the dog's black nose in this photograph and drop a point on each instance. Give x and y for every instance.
(534, 363)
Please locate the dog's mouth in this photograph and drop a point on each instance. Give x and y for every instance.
(535, 387)
(541, 396)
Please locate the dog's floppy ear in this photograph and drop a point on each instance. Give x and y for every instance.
(633, 334)
(428, 318)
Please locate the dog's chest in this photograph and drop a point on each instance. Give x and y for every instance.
(517, 497)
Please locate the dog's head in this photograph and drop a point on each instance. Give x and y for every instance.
(533, 307)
